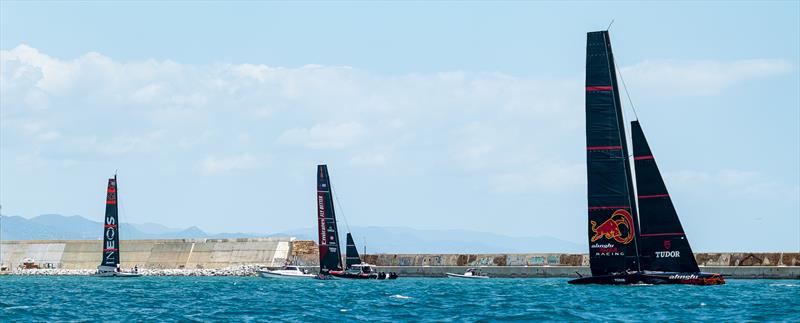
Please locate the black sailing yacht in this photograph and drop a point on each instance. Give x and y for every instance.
(109, 265)
(626, 246)
(330, 255)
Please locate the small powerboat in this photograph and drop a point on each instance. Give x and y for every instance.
(286, 272)
(471, 273)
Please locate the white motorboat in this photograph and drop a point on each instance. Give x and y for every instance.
(471, 273)
(286, 272)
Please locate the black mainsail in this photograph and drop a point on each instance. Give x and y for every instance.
(352, 257)
(662, 242)
(330, 255)
(621, 251)
(612, 207)
(111, 228)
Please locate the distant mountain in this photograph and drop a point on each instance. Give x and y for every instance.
(60, 227)
(378, 239)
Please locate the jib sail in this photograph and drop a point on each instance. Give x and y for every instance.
(111, 227)
(330, 255)
(352, 252)
(663, 245)
(612, 207)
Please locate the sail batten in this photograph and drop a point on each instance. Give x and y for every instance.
(330, 254)
(663, 244)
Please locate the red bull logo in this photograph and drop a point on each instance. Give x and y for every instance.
(612, 228)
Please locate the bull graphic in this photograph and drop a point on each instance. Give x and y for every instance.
(612, 228)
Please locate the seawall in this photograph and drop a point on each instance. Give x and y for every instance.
(155, 254)
(204, 254)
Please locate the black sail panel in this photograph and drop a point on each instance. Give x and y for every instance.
(111, 226)
(330, 255)
(613, 223)
(352, 252)
(663, 243)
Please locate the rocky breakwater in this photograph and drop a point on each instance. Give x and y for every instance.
(242, 270)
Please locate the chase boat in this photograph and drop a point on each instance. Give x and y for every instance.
(287, 272)
(471, 273)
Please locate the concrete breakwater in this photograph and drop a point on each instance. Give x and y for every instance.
(196, 254)
(243, 270)
(242, 257)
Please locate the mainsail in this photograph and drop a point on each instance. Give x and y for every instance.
(330, 255)
(613, 223)
(110, 227)
(352, 257)
(663, 244)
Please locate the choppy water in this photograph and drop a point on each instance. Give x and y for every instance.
(406, 299)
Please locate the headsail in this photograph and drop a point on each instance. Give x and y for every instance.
(111, 227)
(330, 255)
(612, 207)
(352, 252)
(663, 244)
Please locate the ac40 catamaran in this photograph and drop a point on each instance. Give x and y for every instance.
(110, 264)
(626, 246)
(330, 255)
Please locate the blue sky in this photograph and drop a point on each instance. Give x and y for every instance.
(429, 115)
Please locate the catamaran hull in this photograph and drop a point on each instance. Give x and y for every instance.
(660, 278)
(378, 276)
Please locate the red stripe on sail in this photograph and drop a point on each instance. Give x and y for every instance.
(592, 208)
(110, 249)
(662, 234)
(599, 88)
(110, 226)
(642, 157)
(603, 148)
(111, 201)
(653, 196)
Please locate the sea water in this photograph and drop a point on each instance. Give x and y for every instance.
(75, 298)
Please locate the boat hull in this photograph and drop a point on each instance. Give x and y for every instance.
(375, 276)
(279, 275)
(452, 275)
(653, 278)
(113, 274)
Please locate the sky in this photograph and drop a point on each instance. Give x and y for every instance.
(430, 115)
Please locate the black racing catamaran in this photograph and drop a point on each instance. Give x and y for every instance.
(330, 255)
(109, 265)
(626, 246)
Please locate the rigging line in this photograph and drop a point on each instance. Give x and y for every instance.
(341, 209)
(609, 25)
(625, 87)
